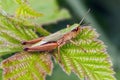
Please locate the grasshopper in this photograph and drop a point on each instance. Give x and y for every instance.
(55, 40)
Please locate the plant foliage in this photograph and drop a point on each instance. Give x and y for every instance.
(12, 34)
(88, 59)
(25, 10)
(51, 13)
(27, 66)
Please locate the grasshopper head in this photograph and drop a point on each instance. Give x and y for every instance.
(76, 31)
(70, 28)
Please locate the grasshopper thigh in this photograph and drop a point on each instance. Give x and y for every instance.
(44, 47)
(32, 41)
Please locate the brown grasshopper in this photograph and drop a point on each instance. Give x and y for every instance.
(54, 40)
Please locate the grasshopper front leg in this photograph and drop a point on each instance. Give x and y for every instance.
(60, 42)
(32, 41)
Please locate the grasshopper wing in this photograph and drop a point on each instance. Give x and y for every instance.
(51, 38)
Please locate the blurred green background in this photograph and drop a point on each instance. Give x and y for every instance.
(104, 17)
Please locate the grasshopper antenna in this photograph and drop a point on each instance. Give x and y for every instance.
(84, 16)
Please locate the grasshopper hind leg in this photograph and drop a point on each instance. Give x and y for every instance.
(32, 41)
(44, 47)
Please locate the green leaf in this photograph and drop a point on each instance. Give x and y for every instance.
(20, 2)
(52, 13)
(1, 74)
(21, 66)
(12, 34)
(26, 11)
(27, 66)
(88, 59)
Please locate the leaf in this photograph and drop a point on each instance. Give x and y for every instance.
(88, 59)
(27, 66)
(52, 13)
(21, 66)
(12, 34)
(34, 23)
(0, 74)
(26, 11)
(20, 2)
